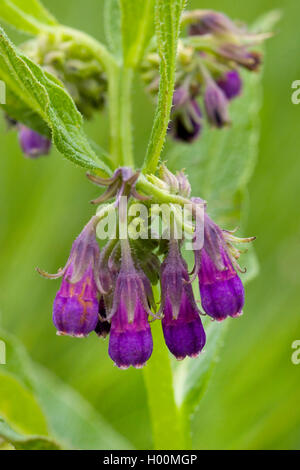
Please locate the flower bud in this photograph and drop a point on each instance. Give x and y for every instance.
(216, 105)
(210, 22)
(230, 84)
(182, 327)
(33, 145)
(186, 118)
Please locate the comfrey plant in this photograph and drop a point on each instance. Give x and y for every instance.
(133, 283)
(208, 63)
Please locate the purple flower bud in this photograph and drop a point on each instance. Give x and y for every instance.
(210, 22)
(222, 291)
(230, 84)
(76, 305)
(186, 118)
(130, 342)
(216, 105)
(241, 56)
(33, 145)
(182, 327)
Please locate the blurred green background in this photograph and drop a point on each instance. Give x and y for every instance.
(253, 400)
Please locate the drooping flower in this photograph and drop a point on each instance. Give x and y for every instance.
(216, 105)
(76, 305)
(230, 84)
(221, 289)
(182, 327)
(186, 118)
(33, 145)
(130, 341)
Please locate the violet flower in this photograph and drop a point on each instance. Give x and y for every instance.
(182, 327)
(221, 290)
(130, 342)
(230, 84)
(186, 118)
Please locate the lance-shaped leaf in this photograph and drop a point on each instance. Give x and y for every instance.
(42, 93)
(28, 16)
(168, 14)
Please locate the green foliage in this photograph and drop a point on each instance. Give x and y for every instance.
(28, 16)
(45, 96)
(32, 399)
(167, 21)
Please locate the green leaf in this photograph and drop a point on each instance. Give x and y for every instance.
(112, 26)
(137, 24)
(42, 93)
(21, 442)
(72, 420)
(19, 407)
(28, 16)
(16, 109)
(168, 14)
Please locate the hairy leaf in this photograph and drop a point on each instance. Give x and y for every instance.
(45, 96)
(28, 16)
(168, 14)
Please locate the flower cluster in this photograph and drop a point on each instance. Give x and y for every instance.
(109, 292)
(74, 65)
(208, 65)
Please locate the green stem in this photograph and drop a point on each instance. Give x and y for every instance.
(114, 113)
(126, 116)
(165, 417)
(119, 91)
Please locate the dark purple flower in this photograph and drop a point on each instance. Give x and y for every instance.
(103, 326)
(130, 342)
(216, 105)
(186, 118)
(33, 145)
(222, 291)
(182, 327)
(230, 84)
(76, 305)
